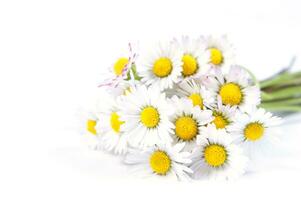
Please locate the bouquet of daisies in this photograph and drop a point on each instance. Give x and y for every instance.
(188, 111)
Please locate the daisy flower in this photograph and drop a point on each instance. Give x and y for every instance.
(121, 69)
(197, 93)
(220, 50)
(113, 137)
(235, 88)
(188, 121)
(146, 113)
(195, 58)
(162, 69)
(223, 114)
(124, 88)
(216, 156)
(161, 160)
(256, 130)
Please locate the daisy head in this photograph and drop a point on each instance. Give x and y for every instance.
(112, 127)
(146, 113)
(256, 130)
(195, 58)
(124, 88)
(196, 93)
(216, 157)
(235, 88)
(187, 121)
(123, 68)
(161, 160)
(220, 50)
(223, 115)
(162, 69)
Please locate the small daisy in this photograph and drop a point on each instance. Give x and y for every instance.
(122, 69)
(235, 88)
(256, 130)
(188, 121)
(161, 160)
(146, 113)
(220, 50)
(163, 69)
(216, 156)
(223, 115)
(111, 127)
(124, 88)
(197, 93)
(195, 58)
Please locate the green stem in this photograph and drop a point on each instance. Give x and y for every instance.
(288, 92)
(280, 79)
(283, 102)
(283, 108)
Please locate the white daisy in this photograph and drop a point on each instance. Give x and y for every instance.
(161, 160)
(146, 113)
(220, 50)
(256, 131)
(216, 156)
(195, 57)
(197, 93)
(123, 68)
(223, 114)
(162, 69)
(188, 121)
(124, 88)
(235, 88)
(113, 137)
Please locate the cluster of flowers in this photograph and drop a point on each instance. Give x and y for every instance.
(186, 111)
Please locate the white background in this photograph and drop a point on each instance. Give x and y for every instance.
(52, 54)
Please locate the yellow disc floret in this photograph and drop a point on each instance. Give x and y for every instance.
(160, 162)
(120, 65)
(115, 122)
(220, 121)
(215, 155)
(150, 117)
(216, 57)
(162, 67)
(186, 128)
(91, 126)
(197, 100)
(189, 66)
(231, 94)
(254, 131)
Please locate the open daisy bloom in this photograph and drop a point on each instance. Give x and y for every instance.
(146, 114)
(195, 58)
(188, 121)
(220, 50)
(188, 111)
(216, 156)
(161, 160)
(111, 127)
(235, 88)
(256, 130)
(163, 69)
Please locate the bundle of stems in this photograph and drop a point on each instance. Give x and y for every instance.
(282, 92)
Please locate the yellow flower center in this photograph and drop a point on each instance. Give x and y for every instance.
(162, 67)
(160, 162)
(216, 57)
(115, 122)
(215, 155)
(120, 65)
(189, 66)
(150, 117)
(231, 94)
(91, 126)
(254, 131)
(220, 121)
(186, 128)
(197, 100)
